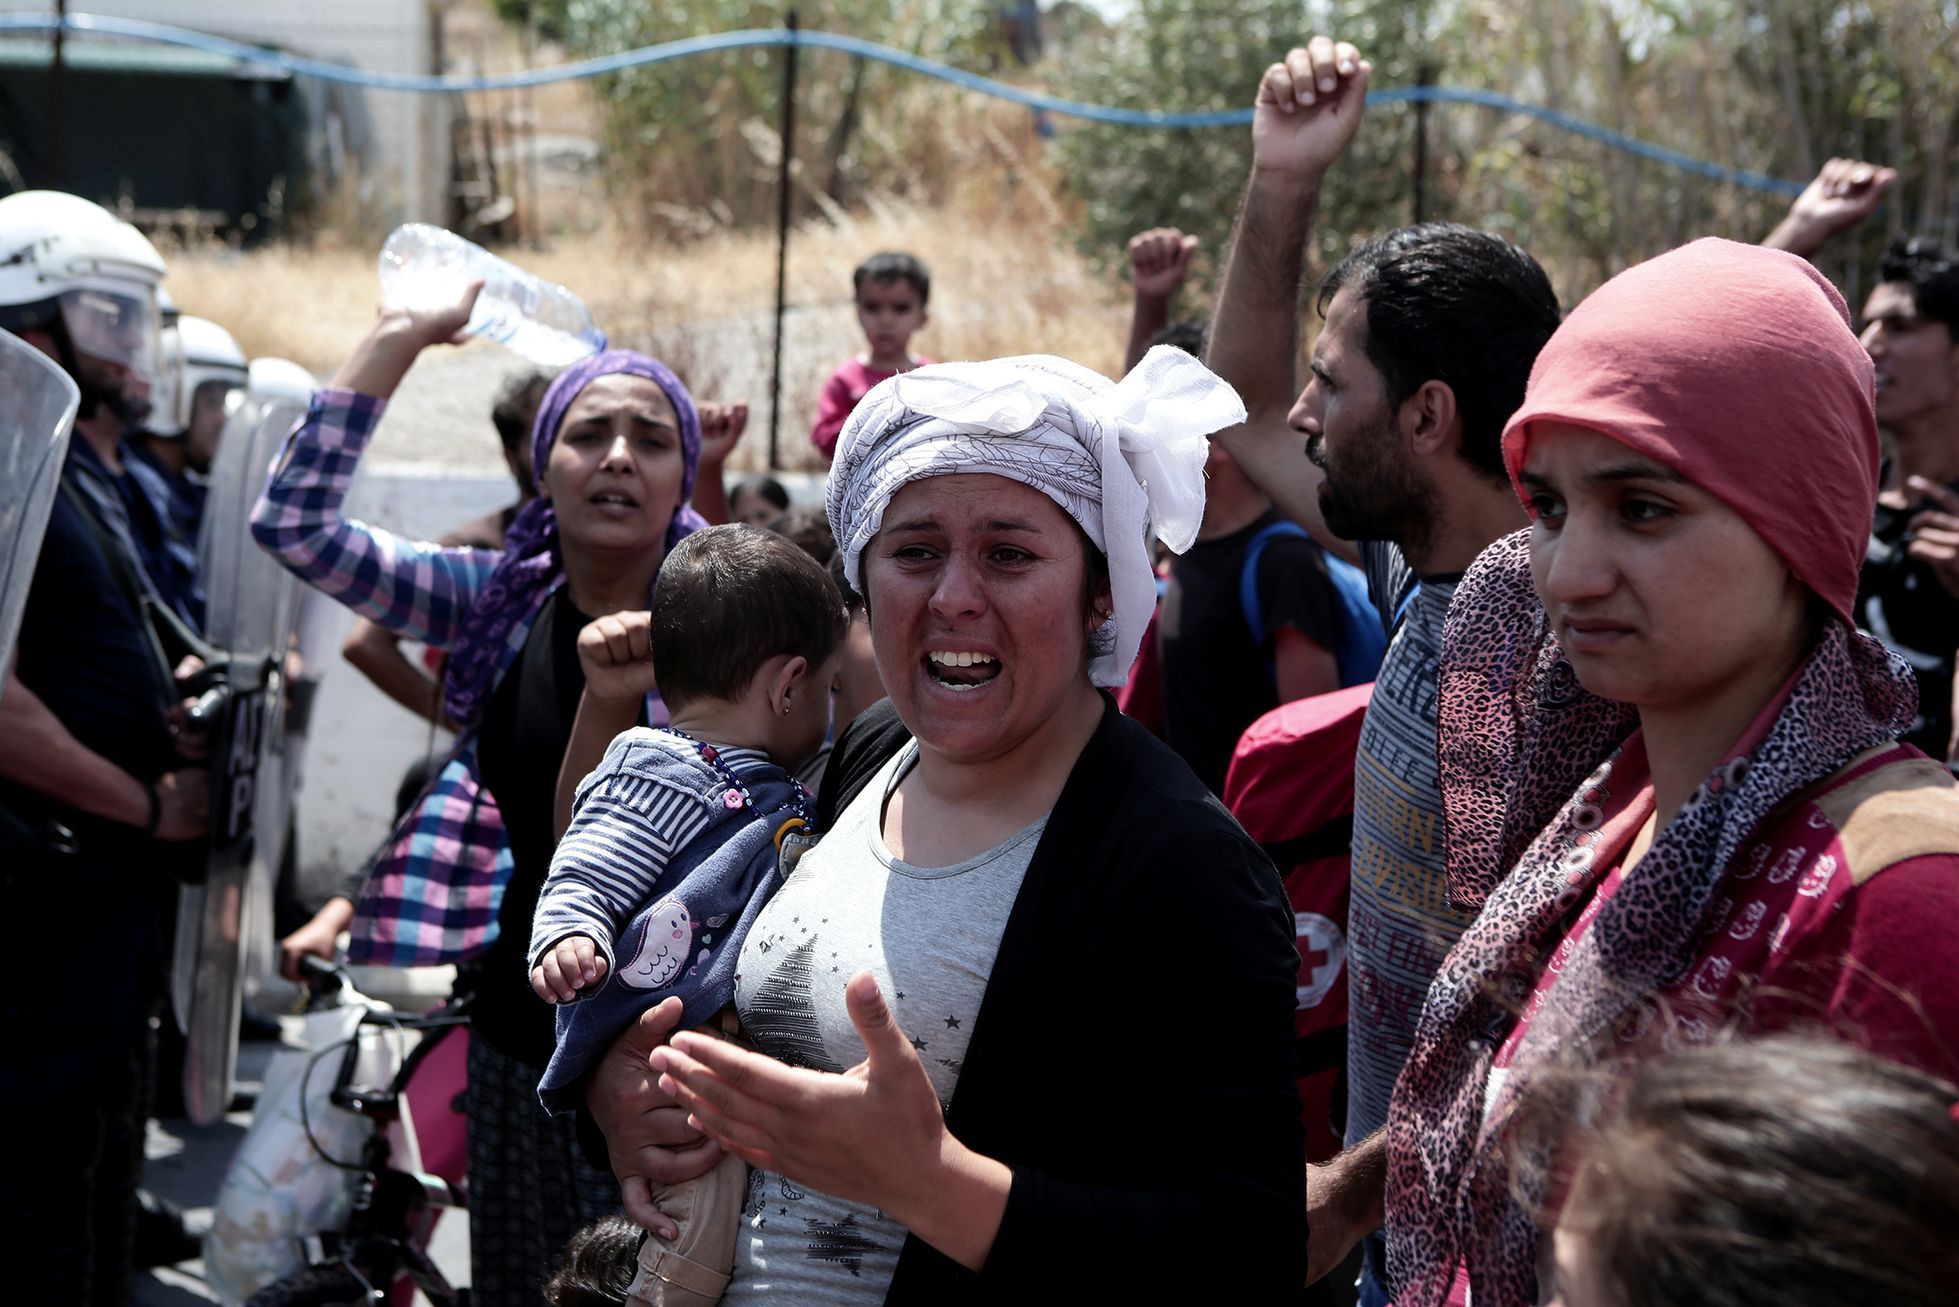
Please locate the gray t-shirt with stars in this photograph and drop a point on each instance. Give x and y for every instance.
(929, 935)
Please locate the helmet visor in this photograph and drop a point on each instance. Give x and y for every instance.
(217, 395)
(113, 326)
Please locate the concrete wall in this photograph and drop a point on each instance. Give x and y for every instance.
(361, 741)
(401, 139)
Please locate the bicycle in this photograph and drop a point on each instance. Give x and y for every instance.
(381, 1250)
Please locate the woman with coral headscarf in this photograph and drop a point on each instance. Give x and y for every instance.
(1669, 762)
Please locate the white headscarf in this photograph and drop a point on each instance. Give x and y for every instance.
(1124, 459)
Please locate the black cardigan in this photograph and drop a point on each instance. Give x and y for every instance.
(1132, 1060)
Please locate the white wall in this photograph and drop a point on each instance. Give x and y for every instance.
(360, 740)
(409, 165)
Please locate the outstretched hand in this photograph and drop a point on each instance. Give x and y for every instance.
(616, 654)
(874, 1134)
(1158, 260)
(1308, 108)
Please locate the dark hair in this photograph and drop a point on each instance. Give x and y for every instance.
(809, 527)
(1452, 304)
(852, 601)
(892, 265)
(1789, 1169)
(1934, 276)
(766, 486)
(516, 408)
(729, 599)
(1186, 336)
(600, 1262)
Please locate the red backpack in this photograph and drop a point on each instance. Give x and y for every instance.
(1291, 786)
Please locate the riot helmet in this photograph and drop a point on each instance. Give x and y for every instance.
(88, 280)
(273, 378)
(204, 376)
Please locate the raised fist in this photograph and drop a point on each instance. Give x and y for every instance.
(616, 653)
(1158, 260)
(1308, 107)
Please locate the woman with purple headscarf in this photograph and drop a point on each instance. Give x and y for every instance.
(616, 446)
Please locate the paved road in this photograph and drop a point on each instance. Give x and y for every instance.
(187, 1164)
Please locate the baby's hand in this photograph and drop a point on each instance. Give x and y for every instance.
(572, 964)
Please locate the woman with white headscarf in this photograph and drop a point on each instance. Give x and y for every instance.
(1072, 973)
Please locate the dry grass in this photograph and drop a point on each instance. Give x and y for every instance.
(1005, 281)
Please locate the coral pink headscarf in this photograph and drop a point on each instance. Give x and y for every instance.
(1736, 367)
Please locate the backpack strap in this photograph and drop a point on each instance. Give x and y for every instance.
(1333, 840)
(1361, 642)
(1248, 600)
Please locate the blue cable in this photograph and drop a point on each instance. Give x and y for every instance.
(424, 83)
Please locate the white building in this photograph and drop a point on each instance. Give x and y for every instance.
(398, 141)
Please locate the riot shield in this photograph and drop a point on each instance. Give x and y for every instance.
(251, 605)
(37, 411)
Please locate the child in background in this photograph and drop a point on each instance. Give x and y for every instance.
(758, 501)
(679, 837)
(891, 290)
(1791, 1169)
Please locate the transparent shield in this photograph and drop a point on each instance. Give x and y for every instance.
(249, 596)
(37, 412)
(252, 603)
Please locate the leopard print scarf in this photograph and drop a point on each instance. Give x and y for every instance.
(1525, 756)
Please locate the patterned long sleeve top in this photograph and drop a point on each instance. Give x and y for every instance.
(648, 798)
(420, 590)
(671, 855)
(432, 895)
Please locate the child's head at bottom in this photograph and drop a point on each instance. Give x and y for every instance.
(746, 633)
(600, 1262)
(1795, 1170)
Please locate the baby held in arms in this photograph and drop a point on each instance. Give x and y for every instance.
(683, 832)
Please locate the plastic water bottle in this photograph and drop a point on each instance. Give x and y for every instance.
(425, 267)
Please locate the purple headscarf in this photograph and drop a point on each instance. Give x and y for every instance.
(533, 563)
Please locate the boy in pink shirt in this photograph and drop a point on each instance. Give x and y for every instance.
(891, 292)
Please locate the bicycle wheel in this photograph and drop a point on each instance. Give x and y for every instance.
(333, 1285)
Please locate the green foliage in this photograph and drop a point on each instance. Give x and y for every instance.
(1773, 86)
(1200, 55)
(546, 16)
(695, 142)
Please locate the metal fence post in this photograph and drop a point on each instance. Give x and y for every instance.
(51, 169)
(788, 128)
(1424, 78)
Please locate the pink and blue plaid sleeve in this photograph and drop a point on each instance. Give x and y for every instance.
(421, 590)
